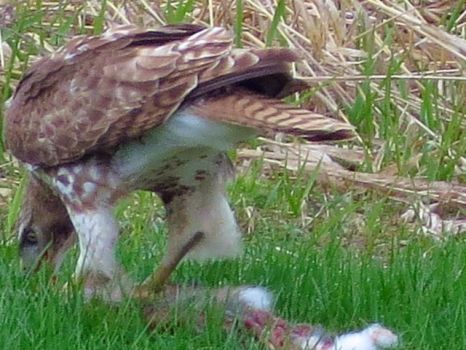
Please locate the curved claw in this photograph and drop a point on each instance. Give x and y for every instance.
(156, 282)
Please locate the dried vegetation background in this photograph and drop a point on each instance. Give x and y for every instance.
(394, 69)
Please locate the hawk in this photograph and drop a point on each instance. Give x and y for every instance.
(144, 109)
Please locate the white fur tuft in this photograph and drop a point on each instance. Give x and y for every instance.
(256, 298)
(381, 336)
(373, 337)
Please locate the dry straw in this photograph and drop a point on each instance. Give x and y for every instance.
(330, 35)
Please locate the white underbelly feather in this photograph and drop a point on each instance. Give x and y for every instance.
(184, 137)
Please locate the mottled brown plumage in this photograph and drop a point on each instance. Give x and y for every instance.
(153, 110)
(98, 92)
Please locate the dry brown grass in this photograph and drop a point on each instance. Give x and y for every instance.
(394, 50)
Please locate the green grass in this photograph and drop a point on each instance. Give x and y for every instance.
(342, 260)
(326, 273)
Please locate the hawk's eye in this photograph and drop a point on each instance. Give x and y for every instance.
(29, 237)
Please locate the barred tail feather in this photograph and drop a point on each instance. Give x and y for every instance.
(269, 114)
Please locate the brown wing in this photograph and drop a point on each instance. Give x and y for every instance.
(98, 92)
(242, 107)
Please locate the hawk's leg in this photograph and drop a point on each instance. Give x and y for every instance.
(201, 225)
(102, 276)
(156, 282)
(89, 192)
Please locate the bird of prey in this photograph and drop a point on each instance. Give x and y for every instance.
(144, 109)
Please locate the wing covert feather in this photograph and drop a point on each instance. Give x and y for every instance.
(98, 92)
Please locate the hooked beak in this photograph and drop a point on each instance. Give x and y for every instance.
(31, 261)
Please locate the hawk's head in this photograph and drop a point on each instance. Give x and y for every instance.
(45, 231)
